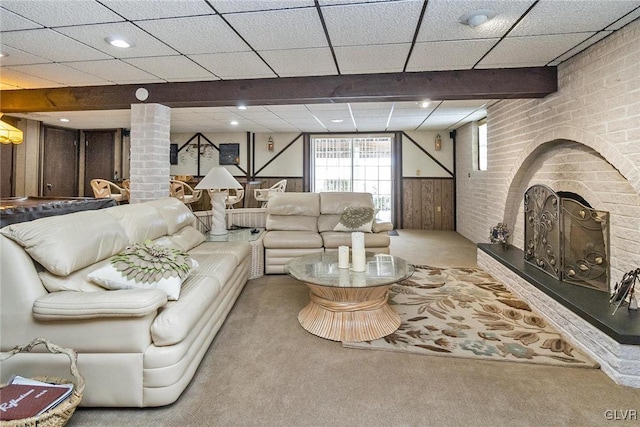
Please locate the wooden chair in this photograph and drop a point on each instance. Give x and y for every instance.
(235, 199)
(103, 189)
(262, 194)
(184, 192)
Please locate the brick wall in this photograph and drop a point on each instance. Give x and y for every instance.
(150, 166)
(584, 138)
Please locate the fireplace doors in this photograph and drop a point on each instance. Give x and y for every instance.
(565, 238)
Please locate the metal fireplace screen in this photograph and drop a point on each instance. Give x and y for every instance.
(566, 239)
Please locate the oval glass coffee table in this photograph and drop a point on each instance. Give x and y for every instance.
(346, 305)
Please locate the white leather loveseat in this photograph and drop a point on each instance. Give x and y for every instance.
(135, 348)
(302, 223)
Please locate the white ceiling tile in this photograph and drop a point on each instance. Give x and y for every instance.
(60, 74)
(534, 51)
(115, 71)
(62, 12)
(411, 122)
(94, 35)
(172, 68)
(625, 20)
(465, 103)
(343, 2)
(287, 108)
(281, 29)
(9, 21)
(15, 78)
(329, 106)
(582, 46)
(372, 59)
(372, 23)
(137, 10)
(551, 17)
(18, 57)
(441, 19)
(228, 6)
(237, 65)
(300, 62)
(51, 45)
(195, 35)
(448, 55)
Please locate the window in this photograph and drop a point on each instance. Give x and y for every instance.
(359, 164)
(482, 145)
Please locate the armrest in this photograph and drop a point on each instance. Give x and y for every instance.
(378, 227)
(71, 305)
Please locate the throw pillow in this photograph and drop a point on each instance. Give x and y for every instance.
(356, 219)
(146, 266)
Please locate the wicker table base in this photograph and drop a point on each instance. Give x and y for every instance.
(349, 314)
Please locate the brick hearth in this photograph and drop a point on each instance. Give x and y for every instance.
(613, 341)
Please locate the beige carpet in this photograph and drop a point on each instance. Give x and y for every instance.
(263, 369)
(465, 312)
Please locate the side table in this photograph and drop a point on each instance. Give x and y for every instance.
(256, 265)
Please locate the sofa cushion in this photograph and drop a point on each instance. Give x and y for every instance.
(356, 218)
(292, 239)
(335, 202)
(76, 281)
(178, 318)
(240, 250)
(222, 266)
(175, 213)
(66, 243)
(292, 223)
(140, 221)
(333, 239)
(299, 204)
(187, 238)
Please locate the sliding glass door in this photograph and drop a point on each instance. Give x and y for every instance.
(358, 164)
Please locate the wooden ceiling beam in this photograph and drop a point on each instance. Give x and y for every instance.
(508, 83)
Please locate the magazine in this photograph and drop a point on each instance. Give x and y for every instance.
(25, 398)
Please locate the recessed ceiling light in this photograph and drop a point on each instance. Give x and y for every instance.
(423, 104)
(478, 17)
(337, 120)
(119, 41)
(233, 123)
(242, 107)
(64, 120)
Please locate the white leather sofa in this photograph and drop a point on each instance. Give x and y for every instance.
(135, 348)
(302, 223)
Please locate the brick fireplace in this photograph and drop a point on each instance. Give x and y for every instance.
(583, 139)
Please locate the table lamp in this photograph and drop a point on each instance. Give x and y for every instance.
(216, 179)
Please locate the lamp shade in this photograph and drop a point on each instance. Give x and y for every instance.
(9, 134)
(218, 177)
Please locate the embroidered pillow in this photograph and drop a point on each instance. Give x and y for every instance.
(356, 219)
(146, 266)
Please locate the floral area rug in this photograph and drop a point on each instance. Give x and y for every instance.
(464, 312)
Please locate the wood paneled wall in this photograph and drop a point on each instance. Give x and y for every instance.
(427, 204)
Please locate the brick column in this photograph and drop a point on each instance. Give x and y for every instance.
(149, 165)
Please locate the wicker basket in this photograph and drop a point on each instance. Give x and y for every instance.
(60, 414)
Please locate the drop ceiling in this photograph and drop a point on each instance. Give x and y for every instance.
(57, 44)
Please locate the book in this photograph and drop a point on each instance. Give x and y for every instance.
(25, 398)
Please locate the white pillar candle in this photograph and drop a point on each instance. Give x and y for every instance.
(357, 241)
(343, 256)
(358, 262)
